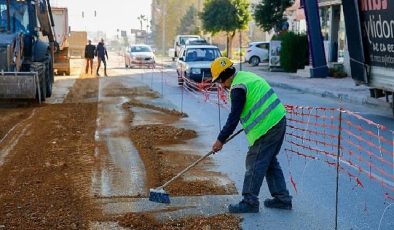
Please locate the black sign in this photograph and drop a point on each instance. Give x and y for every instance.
(377, 23)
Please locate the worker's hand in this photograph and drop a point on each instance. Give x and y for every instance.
(217, 146)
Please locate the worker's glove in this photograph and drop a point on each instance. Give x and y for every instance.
(217, 146)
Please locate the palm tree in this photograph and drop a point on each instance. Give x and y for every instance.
(142, 18)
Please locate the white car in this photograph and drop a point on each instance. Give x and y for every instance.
(194, 62)
(257, 52)
(139, 55)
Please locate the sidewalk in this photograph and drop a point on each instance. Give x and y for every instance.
(336, 88)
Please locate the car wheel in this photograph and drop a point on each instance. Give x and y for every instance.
(254, 61)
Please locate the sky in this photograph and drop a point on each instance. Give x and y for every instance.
(111, 14)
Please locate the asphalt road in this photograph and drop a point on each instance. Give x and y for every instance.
(315, 199)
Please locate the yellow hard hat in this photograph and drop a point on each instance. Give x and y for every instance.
(218, 66)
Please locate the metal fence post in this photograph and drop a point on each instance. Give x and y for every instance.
(338, 164)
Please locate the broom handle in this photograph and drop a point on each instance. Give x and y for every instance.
(198, 161)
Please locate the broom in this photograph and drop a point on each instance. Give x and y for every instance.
(159, 195)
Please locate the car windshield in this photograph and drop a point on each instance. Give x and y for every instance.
(202, 54)
(136, 49)
(19, 16)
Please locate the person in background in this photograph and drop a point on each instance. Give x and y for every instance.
(89, 56)
(101, 53)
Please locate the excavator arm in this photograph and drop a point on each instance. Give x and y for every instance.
(45, 18)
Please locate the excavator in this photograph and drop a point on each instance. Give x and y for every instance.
(27, 46)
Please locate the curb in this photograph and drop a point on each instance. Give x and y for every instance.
(333, 95)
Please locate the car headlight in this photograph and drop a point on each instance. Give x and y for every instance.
(196, 71)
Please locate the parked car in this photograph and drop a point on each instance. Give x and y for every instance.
(139, 55)
(257, 52)
(194, 62)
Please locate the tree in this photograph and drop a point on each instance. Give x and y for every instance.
(188, 24)
(268, 14)
(166, 14)
(225, 15)
(142, 18)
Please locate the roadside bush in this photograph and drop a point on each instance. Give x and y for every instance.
(336, 73)
(294, 52)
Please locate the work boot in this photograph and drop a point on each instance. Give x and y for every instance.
(98, 75)
(243, 207)
(276, 203)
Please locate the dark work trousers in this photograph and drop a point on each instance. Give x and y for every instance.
(101, 59)
(89, 62)
(261, 161)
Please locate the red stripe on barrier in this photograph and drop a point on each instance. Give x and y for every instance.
(294, 184)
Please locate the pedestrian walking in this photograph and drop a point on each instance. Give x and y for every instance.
(89, 56)
(263, 117)
(101, 53)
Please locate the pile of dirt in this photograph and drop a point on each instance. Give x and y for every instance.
(147, 221)
(85, 90)
(45, 182)
(136, 103)
(117, 89)
(162, 134)
(162, 165)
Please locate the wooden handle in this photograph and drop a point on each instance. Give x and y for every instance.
(196, 162)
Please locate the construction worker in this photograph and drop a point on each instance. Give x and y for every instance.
(101, 53)
(89, 56)
(262, 115)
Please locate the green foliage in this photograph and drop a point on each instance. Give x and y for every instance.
(268, 14)
(337, 71)
(167, 12)
(225, 15)
(188, 22)
(294, 51)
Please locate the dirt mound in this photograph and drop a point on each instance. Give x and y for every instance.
(147, 221)
(119, 89)
(46, 180)
(85, 90)
(162, 165)
(162, 134)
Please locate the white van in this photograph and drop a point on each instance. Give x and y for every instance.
(180, 40)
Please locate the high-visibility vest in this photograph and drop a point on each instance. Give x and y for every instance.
(262, 109)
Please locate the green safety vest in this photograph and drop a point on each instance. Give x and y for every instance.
(262, 109)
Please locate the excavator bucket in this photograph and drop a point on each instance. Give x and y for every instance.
(19, 85)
